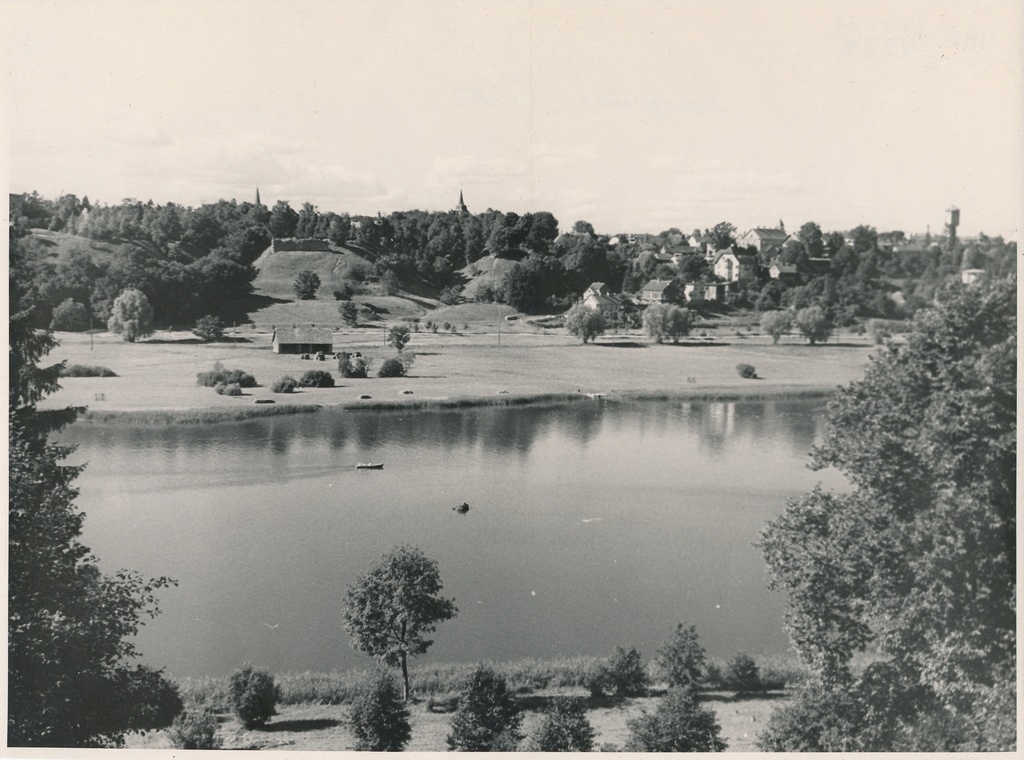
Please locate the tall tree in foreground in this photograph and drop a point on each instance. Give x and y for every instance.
(71, 679)
(389, 610)
(918, 562)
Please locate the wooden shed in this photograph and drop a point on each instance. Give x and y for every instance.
(303, 340)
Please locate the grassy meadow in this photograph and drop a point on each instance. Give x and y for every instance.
(156, 377)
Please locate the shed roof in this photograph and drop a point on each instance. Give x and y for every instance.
(303, 334)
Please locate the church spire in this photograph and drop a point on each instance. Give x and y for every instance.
(461, 208)
(258, 196)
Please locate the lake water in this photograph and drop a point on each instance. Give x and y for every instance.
(590, 525)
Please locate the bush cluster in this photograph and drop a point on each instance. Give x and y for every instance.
(353, 365)
(565, 728)
(742, 674)
(254, 695)
(86, 370)
(622, 675)
(679, 724)
(316, 378)
(391, 367)
(228, 389)
(746, 371)
(488, 718)
(221, 376)
(194, 729)
(286, 384)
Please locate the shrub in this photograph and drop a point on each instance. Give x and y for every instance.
(208, 328)
(254, 696)
(742, 674)
(71, 316)
(447, 325)
(380, 720)
(344, 292)
(316, 378)
(623, 675)
(220, 376)
(488, 718)
(86, 370)
(746, 371)
(286, 384)
(391, 367)
(353, 365)
(565, 728)
(678, 724)
(194, 729)
(228, 389)
(682, 660)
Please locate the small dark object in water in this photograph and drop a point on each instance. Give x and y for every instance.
(462, 509)
(263, 401)
(365, 395)
(369, 466)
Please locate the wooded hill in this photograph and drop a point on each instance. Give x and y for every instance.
(222, 259)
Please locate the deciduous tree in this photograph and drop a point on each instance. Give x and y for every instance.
(682, 660)
(390, 610)
(583, 322)
(131, 316)
(814, 323)
(307, 283)
(776, 324)
(918, 561)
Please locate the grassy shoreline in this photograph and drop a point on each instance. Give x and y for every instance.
(313, 712)
(215, 415)
(155, 380)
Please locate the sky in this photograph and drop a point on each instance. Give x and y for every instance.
(636, 116)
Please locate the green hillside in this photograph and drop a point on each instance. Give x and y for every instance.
(58, 245)
(276, 272)
(487, 270)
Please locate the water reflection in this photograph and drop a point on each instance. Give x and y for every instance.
(503, 430)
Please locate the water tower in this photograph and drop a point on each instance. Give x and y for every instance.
(952, 222)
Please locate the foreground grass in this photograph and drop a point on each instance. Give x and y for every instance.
(314, 708)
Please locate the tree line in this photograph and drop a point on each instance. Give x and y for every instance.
(191, 262)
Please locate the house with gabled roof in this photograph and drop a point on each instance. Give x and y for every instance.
(730, 266)
(783, 272)
(303, 339)
(763, 239)
(658, 291)
(598, 297)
